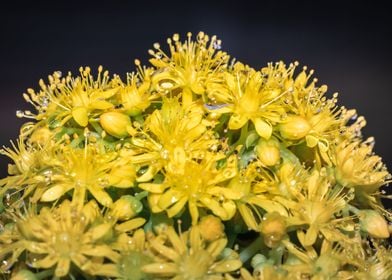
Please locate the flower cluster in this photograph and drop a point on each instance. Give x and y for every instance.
(196, 167)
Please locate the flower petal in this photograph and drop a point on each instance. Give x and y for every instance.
(263, 128)
(237, 121)
(80, 115)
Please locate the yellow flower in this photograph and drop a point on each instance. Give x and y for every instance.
(11, 246)
(29, 168)
(248, 193)
(311, 116)
(315, 205)
(135, 95)
(199, 185)
(356, 166)
(134, 254)
(85, 170)
(190, 257)
(61, 236)
(189, 66)
(247, 96)
(308, 263)
(69, 98)
(178, 133)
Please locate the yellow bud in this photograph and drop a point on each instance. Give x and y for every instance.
(126, 207)
(294, 128)
(41, 136)
(211, 228)
(90, 211)
(24, 274)
(116, 124)
(373, 223)
(122, 176)
(273, 227)
(268, 152)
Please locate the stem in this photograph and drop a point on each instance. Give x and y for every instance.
(141, 195)
(243, 135)
(353, 209)
(44, 274)
(251, 250)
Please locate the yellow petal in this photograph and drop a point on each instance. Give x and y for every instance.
(227, 266)
(263, 128)
(47, 262)
(216, 247)
(310, 236)
(54, 192)
(98, 232)
(237, 121)
(130, 225)
(170, 197)
(194, 211)
(214, 206)
(62, 267)
(101, 251)
(226, 192)
(101, 105)
(108, 270)
(103, 94)
(101, 196)
(248, 217)
(311, 141)
(176, 208)
(153, 188)
(161, 268)
(165, 251)
(268, 205)
(230, 208)
(80, 115)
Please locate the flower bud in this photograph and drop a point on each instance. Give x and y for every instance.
(211, 228)
(294, 128)
(122, 176)
(24, 274)
(268, 151)
(116, 124)
(90, 211)
(373, 223)
(273, 227)
(126, 207)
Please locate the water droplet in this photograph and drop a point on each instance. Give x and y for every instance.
(165, 154)
(217, 45)
(20, 114)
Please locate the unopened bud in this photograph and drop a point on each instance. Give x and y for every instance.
(268, 152)
(373, 223)
(211, 228)
(126, 207)
(294, 127)
(273, 228)
(24, 274)
(116, 124)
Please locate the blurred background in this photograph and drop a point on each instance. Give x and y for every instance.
(348, 44)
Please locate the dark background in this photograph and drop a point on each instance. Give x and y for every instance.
(348, 44)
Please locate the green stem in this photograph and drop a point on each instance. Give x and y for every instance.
(243, 135)
(353, 209)
(44, 274)
(141, 195)
(252, 249)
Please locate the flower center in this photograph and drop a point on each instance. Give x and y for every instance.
(195, 266)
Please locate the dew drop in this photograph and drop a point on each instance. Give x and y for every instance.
(20, 114)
